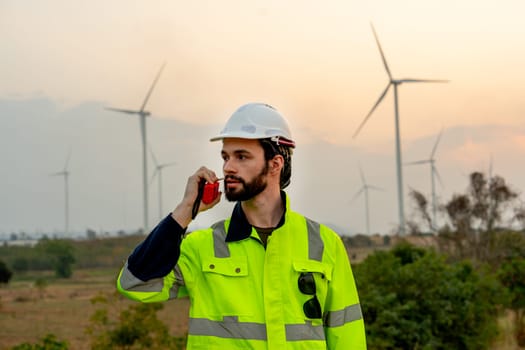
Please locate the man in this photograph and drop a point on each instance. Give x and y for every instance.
(267, 277)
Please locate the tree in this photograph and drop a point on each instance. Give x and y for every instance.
(490, 199)
(20, 264)
(512, 276)
(506, 246)
(61, 252)
(473, 216)
(422, 207)
(412, 298)
(5, 273)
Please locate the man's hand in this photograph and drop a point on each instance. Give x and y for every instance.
(183, 212)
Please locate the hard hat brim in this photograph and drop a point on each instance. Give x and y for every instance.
(277, 139)
(234, 136)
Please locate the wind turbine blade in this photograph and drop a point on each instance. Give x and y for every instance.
(128, 111)
(168, 164)
(153, 156)
(418, 162)
(357, 194)
(372, 187)
(372, 110)
(410, 80)
(382, 54)
(57, 173)
(153, 175)
(436, 144)
(152, 86)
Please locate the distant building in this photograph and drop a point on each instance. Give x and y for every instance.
(21, 243)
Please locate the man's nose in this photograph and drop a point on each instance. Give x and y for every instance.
(228, 167)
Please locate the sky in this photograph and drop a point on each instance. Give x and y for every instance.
(318, 63)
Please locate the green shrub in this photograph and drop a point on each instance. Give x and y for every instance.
(512, 275)
(49, 342)
(5, 273)
(41, 285)
(136, 327)
(414, 299)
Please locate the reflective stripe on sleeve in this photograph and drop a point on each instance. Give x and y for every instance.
(179, 281)
(131, 283)
(341, 317)
(231, 328)
(315, 243)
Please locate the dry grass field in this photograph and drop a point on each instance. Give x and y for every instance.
(64, 308)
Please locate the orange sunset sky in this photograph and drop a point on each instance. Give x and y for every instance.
(317, 62)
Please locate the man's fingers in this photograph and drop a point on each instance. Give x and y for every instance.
(206, 174)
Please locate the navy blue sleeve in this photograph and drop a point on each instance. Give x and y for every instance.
(157, 255)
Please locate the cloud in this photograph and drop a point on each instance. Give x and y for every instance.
(518, 141)
(470, 152)
(105, 166)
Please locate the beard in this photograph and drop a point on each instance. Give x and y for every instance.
(248, 190)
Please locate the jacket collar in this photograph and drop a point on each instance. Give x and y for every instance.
(240, 228)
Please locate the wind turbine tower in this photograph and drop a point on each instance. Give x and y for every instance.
(158, 172)
(395, 83)
(364, 189)
(433, 175)
(65, 174)
(142, 113)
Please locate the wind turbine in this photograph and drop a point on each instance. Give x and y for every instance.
(158, 172)
(395, 83)
(65, 174)
(433, 174)
(364, 189)
(142, 113)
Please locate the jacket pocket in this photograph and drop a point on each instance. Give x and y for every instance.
(235, 267)
(226, 288)
(324, 270)
(322, 274)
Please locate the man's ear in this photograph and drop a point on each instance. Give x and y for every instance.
(276, 164)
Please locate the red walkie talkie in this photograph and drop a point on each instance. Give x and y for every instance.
(208, 192)
(211, 191)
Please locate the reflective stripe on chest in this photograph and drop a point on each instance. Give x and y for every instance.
(315, 243)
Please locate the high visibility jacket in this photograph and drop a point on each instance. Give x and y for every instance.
(244, 296)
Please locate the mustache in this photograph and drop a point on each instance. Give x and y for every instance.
(233, 177)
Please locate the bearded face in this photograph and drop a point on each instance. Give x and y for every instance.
(237, 188)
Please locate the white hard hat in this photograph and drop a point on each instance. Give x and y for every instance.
(257, 121)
